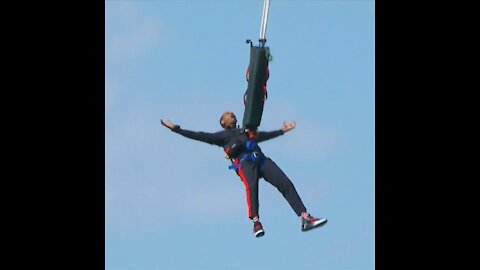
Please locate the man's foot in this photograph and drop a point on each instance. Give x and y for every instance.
(258, 229)
(312, 222)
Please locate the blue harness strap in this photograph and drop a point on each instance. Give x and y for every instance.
(251, 146)
(237, 165)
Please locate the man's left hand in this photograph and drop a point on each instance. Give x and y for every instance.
(289, 126)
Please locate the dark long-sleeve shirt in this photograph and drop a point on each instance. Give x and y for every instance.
(224, 137)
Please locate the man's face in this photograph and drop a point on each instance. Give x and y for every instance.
(228, 120)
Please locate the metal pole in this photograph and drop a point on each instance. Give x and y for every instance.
(263, 27)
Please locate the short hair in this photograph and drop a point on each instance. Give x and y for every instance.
(221, 118)
(223, 115)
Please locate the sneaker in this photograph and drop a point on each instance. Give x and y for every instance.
(312, 222)
(258, 229)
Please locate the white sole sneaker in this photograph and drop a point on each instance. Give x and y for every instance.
(315, 224)
(319, 222)
(259, 233)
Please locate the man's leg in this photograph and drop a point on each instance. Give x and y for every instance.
(275, 176)
(249, 176)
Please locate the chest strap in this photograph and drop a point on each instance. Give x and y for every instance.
(255, 156)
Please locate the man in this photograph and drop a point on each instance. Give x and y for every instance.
(251, 164)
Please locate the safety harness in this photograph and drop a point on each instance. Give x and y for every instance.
(251, 152)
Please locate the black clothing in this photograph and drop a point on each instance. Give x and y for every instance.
(249, 169)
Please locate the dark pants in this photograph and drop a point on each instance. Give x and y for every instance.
(250, 175)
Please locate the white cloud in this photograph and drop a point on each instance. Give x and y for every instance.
(129, 31)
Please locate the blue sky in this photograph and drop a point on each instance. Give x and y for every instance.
(171, 202)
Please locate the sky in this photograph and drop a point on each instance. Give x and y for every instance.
(171, 202)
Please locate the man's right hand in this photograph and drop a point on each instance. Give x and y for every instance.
(167, 123)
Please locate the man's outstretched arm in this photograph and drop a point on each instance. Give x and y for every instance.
(263, 136)
(211, 138)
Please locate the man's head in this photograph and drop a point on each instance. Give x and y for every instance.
(228, 120)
